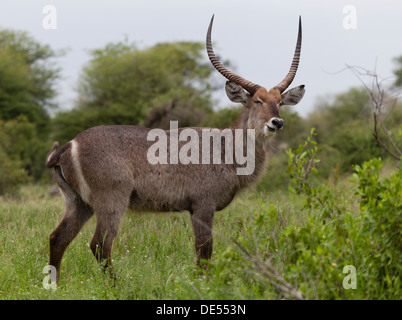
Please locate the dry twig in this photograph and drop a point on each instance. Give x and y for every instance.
(379, 99)
(276, 280)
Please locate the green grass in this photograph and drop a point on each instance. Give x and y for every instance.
(151, 253)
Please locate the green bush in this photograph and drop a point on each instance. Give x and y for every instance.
(12, 174)
(335, 235)
(381, 208)
(306, 248)
(23, 145)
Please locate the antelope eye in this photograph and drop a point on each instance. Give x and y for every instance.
(258, 102)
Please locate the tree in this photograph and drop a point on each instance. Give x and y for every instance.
(27, 78)
(344, 130)
(125, 85)
(222, 118)
(398, 72)
(383, 104)
(12, 172)
(343, 108)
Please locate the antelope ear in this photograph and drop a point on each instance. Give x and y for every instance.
(236, 93)
(293, 96)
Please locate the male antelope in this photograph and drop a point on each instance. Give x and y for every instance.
(104, 170)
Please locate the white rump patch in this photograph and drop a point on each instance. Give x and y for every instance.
(82, 184)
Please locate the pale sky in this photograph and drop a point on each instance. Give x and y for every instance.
(257, 36)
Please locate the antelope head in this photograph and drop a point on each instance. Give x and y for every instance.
(262, 105)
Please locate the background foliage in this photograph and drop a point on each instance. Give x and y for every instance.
(123, 84)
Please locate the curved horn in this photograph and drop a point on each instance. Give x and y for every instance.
(245, 84)
(295, 63)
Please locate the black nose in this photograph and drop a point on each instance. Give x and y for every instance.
(278, 123)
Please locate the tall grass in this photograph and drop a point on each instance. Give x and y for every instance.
(151, 255)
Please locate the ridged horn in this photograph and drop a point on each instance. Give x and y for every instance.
(295, 63)
(245, 84)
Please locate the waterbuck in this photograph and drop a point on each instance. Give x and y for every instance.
(106, 169)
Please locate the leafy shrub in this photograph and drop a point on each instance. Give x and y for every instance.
(303, 253)
(12, 173)
(381, 208)
(334, 235)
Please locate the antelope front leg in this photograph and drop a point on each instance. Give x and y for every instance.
(202, 219)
